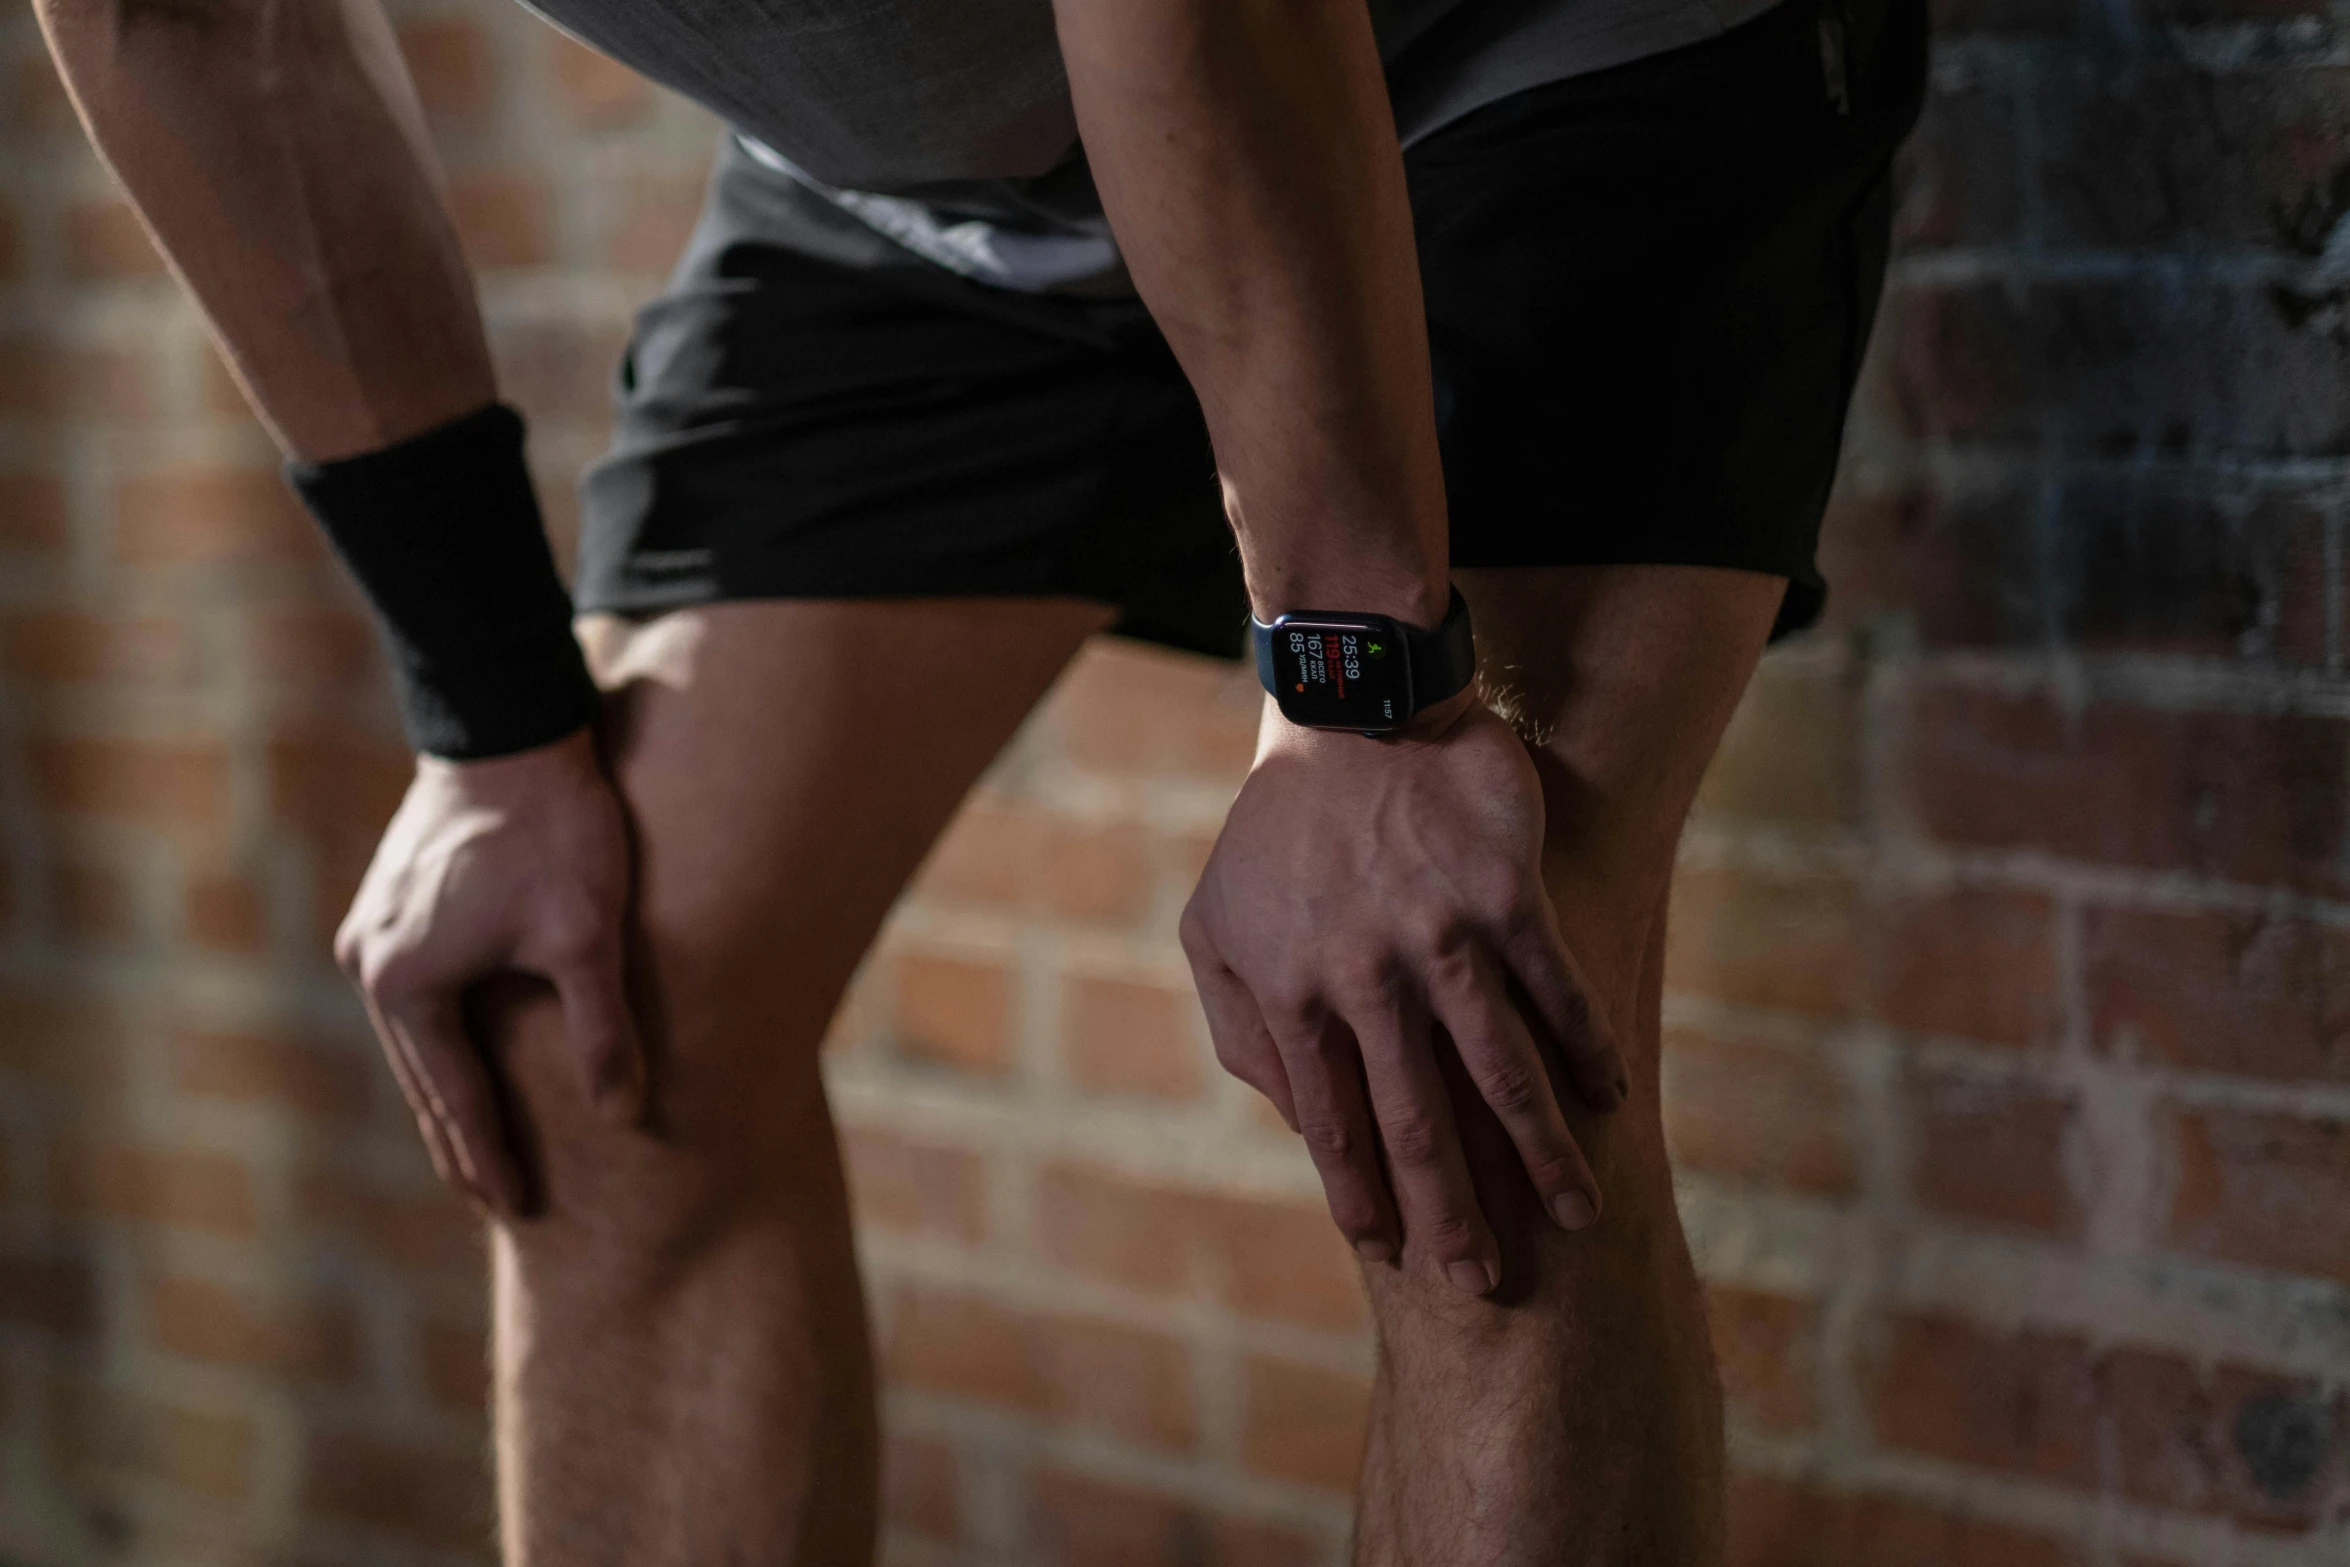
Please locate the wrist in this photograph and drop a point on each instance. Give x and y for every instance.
(569, 758)
(1431, 725)
(1407, 592)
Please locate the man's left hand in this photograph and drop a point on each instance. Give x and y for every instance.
(1365, 893)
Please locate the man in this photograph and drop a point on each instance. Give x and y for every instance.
(921, 412)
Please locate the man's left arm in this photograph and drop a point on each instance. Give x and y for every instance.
(1364, 892)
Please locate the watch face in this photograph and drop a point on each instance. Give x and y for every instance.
(1341, 674)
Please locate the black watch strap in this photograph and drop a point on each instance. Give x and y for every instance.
(1444, 661)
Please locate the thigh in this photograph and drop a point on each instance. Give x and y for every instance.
(1620, 679)
(786, 765)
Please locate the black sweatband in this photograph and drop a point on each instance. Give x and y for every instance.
(443, 533)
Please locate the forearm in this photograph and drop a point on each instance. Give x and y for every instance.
(276, 150)
(1247, 157)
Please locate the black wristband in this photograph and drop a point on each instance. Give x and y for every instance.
(443, 533)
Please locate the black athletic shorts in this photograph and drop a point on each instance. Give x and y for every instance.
(1648, 290)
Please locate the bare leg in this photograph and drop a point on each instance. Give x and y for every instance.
(682, 1372)
(1573, 1419)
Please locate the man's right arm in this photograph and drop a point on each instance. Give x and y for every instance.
(277, 151)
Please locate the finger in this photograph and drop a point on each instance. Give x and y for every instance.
(1553, 982)
(601, 1029)
(1503, 1061)
(1424, 1160)
(455, 1085)
(1244, 1045)
(410, 1077)
(1324, 1068)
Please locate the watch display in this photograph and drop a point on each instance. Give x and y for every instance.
(1330, 670)
(1341, 673)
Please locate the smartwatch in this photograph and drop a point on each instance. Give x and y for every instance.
(1367, 673)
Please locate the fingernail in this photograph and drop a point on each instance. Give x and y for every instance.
(1471, 1278)
(1573, 1210)
(1374, 1249)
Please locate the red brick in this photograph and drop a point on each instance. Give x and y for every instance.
(1772, 940)
(953, 1013)
(1134, 711)
(2127, 1421)
(903, 1183)
(1076, 1520)
(2256, 797)
(174, 786)
(1961, 176)
(37, 105)
(127, 1431)
(1992, 1151)
(2271, 1190)
(454, 67)
(1777, 1523)
(223, 394)
(111, 1177)
(40, 380)
(69, 646)
(1127, 1381)
(227, 914)
(1971, 963)
(12, 264)
(105, 241)
(54, 1292)
(1283, 1260)
(2025, 1403)
(656, 213)
(1128, 1037)
(187, 515)
(1768, 1349)
(422, 1229)
(94, 903)
(922, 1486)
(593, 89)
(428, 1495)
(227, 1327)
(558, 372)
(332, 1086)
(1022, 858)
(1788, 754)
(74, 1044)
(2261, 995)
(339, 789)
(35, 514)
(504, 219)
(1759, 1110)
(1304, 1423)
(453, 1363)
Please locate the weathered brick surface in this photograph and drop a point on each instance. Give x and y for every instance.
(2008, 991)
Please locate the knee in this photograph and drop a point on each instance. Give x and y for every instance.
(732, 1135)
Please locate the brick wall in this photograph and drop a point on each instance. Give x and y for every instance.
(2010, 985)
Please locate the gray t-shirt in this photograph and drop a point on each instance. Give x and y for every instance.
(946, 124)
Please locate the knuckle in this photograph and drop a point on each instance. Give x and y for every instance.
(1370, 984)
(1551, 1169)
(1511, 1089)
(1192, 931)
(395, 979)
(1328, 1140)
(1412, 1138)
(574, 930)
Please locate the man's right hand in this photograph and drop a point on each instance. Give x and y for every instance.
(520, 863)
